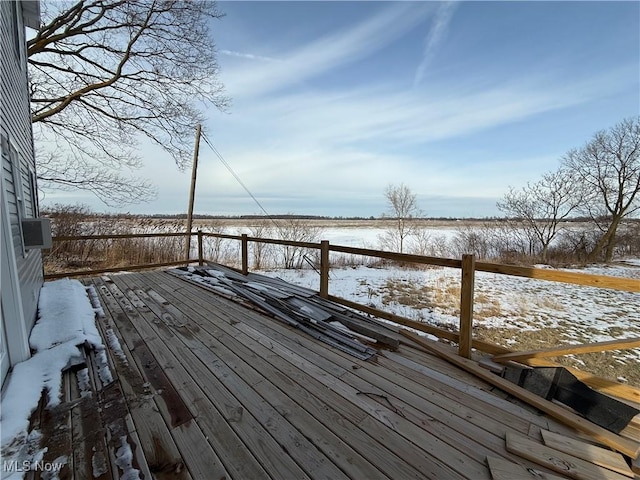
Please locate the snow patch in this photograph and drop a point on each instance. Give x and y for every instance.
(95, 301)
(215, 273)
(27, 450)
(66, 319)
(104, 372)
(65, 315)
(98, 464)
(84, 382)
(578, 312)
(114, 344)
(124, 461)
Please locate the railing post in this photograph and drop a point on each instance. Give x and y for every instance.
(324, 269)
(200, 249)
(466, 305)
(245, 254)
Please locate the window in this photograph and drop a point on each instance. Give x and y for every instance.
(34, 193)
(17, 181)
(16, 177)
(14, 27)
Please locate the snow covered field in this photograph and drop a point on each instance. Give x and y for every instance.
(507, 309)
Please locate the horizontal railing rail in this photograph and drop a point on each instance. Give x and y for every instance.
(63, 238)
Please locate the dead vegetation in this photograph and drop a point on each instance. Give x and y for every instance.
(526, 330)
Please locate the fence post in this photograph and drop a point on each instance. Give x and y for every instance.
(324, 269)
(245, 254)
(466, 305)
(200, 249)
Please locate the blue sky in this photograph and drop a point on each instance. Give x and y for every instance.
(332, 101)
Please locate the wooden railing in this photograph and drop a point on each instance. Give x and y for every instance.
(467, 265)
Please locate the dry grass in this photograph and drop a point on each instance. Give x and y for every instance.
(444, 295)
(96, 254)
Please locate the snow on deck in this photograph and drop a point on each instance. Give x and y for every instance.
(66, 319)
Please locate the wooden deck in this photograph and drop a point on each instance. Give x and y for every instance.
(206, 388)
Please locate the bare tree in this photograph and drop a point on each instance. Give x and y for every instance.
(106, 73)
(260, 251)
(539, 208)
(471, 240)
(609, 167)
(403, 209)
(297, 230)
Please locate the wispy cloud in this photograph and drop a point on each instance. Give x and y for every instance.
(436, 35)
(321, 141)
(326, 53)
(385, 114)
(249, 56)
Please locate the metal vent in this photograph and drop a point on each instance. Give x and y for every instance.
(36, 233)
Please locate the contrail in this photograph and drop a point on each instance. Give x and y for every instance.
(437, 33)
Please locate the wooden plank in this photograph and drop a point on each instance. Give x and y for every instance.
(557, 461)
(55, 428)
(63, 238)
(334, 393)
(621, 344)
(466, 306)
(162, 453)
(626, 393)
(502, 469)
(236, 458)
(591, 453)
(456, 387)
(255, 437)
(92, 273)
(600, 434)
(227, 364)
(417, 418)
(273, 348)
(600, 281)
(399, 257)
(420, 326)
(632, 430)
(324, 269)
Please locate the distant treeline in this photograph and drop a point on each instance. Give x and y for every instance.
(288, 216)
(85, 211)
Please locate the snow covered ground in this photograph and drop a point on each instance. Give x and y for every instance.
(579, 314)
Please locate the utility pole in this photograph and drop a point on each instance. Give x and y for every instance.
(192, 195)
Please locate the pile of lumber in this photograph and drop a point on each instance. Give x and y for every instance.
(298, 307)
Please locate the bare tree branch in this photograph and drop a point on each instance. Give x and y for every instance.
(539, 208)
(107, 73)
(609, 167)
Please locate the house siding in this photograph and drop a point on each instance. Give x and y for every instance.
(18, 163)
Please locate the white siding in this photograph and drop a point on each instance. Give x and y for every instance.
(17, 151)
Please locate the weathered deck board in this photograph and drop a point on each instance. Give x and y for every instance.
(237, 459)
(440, 421)
(318, 426)
(225, 365)
(147, 409)
(235, 394)
(386, 427)
(356, 391)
